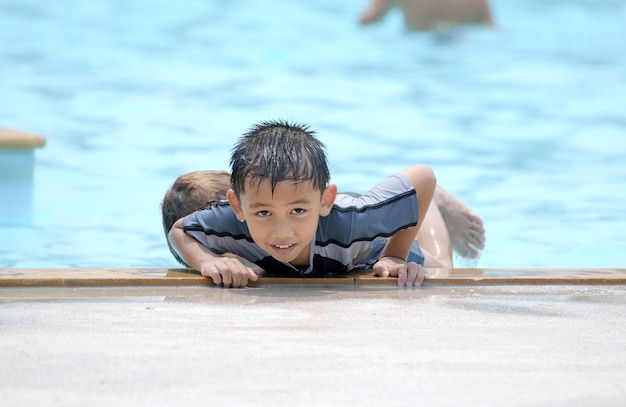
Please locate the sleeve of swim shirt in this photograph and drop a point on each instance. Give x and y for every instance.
(218, 229)
(382, 211)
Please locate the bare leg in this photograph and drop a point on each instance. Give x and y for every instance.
(465, 228)
(434, 240)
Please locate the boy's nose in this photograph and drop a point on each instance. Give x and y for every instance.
(282, 232)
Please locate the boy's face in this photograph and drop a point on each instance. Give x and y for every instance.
(283, 223)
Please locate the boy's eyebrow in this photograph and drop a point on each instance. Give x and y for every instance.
(298, 201)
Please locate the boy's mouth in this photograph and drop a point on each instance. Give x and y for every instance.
(284, 249)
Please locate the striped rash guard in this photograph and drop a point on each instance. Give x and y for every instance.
(351, 237)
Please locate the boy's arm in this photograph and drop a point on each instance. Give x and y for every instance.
(395, 253)
(375, 11)
(223, 270)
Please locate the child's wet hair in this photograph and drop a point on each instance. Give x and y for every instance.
(278, 151)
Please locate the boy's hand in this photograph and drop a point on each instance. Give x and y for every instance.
(227, 272)
(409, 274)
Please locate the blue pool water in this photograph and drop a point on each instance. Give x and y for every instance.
(526, 123)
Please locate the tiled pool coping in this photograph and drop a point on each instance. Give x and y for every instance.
(98, 277)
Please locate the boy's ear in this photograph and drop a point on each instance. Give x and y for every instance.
(235, 204)
(328, 199)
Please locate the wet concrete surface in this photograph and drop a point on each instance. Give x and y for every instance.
(441, 345)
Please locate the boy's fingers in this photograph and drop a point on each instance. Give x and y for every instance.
(402, 276)
(214, 275)
(227, 279)
(421, 275)
(239, 277)
(237, 280)
(380, 270)
(246, 275)
(412, 274)
(252, 275)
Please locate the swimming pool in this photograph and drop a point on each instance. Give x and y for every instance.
(525, 123)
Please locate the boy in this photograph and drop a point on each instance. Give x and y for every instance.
(283, 215)
(449, 222)
(189, 193)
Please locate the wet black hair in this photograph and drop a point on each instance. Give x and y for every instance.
(278, 151)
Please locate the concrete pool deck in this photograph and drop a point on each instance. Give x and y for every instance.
(165, 337)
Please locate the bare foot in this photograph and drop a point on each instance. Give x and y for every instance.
(466, 229)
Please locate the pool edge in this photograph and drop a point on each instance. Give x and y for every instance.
(100, 277)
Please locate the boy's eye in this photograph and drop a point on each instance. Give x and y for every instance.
(263, 214)
(298, 211)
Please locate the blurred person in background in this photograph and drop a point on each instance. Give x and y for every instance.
(431, 15)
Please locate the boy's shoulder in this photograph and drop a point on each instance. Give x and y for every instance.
(218, 215)
(393, 186)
